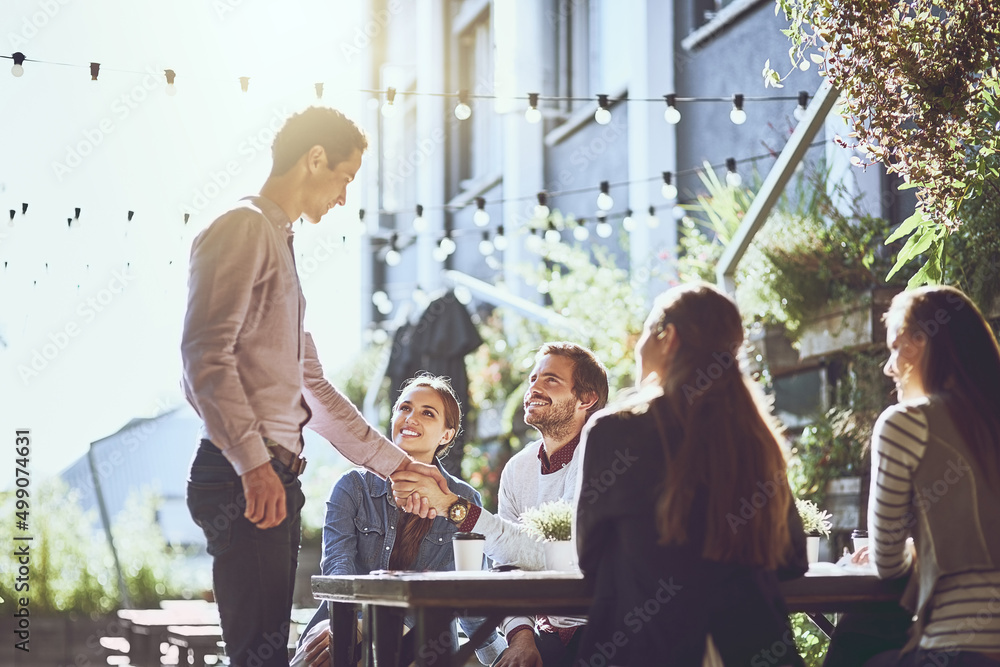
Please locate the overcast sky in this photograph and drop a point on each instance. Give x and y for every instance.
(91, 312)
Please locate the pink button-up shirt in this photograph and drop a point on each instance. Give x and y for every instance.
(248, 363)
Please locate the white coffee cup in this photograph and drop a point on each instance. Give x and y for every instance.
(468, 550)
(860, 539)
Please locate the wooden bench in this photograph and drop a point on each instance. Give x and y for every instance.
(195, 642)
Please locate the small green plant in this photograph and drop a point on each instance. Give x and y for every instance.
(814, 520)
(550, 522)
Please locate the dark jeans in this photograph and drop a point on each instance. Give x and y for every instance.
(922, 658)
(253, 570)
(861, 636)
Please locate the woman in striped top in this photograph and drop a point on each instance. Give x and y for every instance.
(934, 512)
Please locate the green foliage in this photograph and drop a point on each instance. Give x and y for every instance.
(814, 520)
(72, 568)
(830, 448)
(921, 89)
(811, 643)
(808, 254)
(549, 522)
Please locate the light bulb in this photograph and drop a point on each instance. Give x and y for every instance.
(602, 116)
(552, 235)
(733, 179)
(439, 254)
(799, 113)
(669, 191)
(388, 110)
(738, 116)
(420, 224)
(17, 70)
(481, 217)
(678, 212)
(486, 247)
(533, 115)
(603, 229)
(380, 336)
(651, 220)
(605, 202)
(672, 115)
(392, 258)
(170, 89)
(542, 211)
(580, 233)
(379, 296)
(500, 242)
(448, 245)
(463, 111)
(385, 307)
(628, 223)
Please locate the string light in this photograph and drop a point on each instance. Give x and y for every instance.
(800, 110)
(651, 220)
(420, 222)
(542, 209)
(447, 244)
(552, 234)
(244, 83)
(580, 232)
(130, 214)
(392, 256)
(462, 109)
(604, 200)
(738, 115)
(18, 68)
(532, 114)
(95, 69)
(500, 241)
(669, 190)
(486, 246)
(319, 90)
(628, 223)
(603, 228)
(733, 178)
(603, 113)
(171, 89)
(389, 106)
(481, 217)
(671, 114)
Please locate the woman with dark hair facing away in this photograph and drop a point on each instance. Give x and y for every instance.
(366, 531)
(936, 479)
(685, 518)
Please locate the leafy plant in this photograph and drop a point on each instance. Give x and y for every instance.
(809, 640)
(921, 90)
(549, 522)
(814, 520)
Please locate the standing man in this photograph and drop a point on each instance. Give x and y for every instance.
(252, 374)
(567, 385)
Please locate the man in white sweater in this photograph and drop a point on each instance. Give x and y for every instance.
(567, 385)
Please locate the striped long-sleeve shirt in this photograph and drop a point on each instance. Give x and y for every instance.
(965, 607)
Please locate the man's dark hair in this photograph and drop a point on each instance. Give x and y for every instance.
(316, 126)
(589, 374)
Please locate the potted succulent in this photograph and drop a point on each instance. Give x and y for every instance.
(552, 524)
(816, 523)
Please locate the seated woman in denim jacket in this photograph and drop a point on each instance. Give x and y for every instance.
(364, 529)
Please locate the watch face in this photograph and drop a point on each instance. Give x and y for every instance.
(458, 512)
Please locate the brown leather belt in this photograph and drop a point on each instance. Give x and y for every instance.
(296, 464)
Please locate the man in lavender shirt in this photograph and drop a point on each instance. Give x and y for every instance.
(252, 374)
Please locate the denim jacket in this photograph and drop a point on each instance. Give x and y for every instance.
(360, 531)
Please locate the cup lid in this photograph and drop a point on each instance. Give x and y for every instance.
(859, 533)
(468, 536)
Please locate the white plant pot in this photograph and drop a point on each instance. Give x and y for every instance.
(561, 556)
(812, 548)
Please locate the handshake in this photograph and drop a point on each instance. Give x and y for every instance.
(419, 488)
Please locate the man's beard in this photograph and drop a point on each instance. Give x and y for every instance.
(556, 421)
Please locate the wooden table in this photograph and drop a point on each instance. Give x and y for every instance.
(434, 598)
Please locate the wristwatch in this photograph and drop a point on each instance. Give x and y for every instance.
(458, 510)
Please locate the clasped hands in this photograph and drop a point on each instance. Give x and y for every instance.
(419, 491)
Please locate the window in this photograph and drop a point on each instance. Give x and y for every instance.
(479, 136)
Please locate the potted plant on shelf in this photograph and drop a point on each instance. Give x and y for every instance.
(552, 523)
(816, 523)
